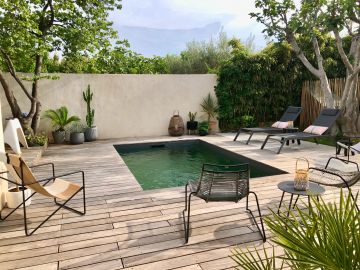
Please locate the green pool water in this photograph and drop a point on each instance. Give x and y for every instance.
(171, 164)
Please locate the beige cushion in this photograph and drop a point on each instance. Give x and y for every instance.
(280, 124)
(318, 130)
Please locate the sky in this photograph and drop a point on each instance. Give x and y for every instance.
(160, 27)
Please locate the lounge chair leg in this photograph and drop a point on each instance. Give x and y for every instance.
(53, 213)
(237, 135)
(262, 230)
(283, 141)
(187, 221)
(248, 140)
(264, 143)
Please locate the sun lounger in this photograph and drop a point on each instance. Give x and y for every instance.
(320, 128)
(291, 114)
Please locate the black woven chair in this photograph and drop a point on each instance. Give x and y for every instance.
(326, 118)
(329, 176)
(220, 183)
(291, 114)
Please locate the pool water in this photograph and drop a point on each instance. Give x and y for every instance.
(171, 164)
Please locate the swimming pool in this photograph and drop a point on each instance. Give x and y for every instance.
(173, 163)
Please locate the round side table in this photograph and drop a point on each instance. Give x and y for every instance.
(288, 187)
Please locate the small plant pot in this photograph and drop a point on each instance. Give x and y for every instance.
(192, 125)
(14, 198)
(91, 134)
(212, 127)
(203, 132)
(59, 137)
(77, 138)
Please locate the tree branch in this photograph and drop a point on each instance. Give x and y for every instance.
(318, 55)
(342, 53)
(14, 106)
(300, 54)
(14, 75)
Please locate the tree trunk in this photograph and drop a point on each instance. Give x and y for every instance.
(37, 105)
(350, 124)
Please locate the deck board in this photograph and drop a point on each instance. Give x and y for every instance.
(128, 228)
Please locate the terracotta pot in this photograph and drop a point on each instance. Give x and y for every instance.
(212, 126)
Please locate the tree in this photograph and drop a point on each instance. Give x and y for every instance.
(312, 20)
(31, 29)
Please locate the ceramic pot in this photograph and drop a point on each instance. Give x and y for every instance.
(77, 138)
(91, 134)
(14, 198)
(59, 137)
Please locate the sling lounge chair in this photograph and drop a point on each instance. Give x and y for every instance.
(219, 183)
(59, 189)
(291, 114)
(320, 128)
(329, 176)
(348, 148)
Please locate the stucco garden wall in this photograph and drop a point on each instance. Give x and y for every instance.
(125, 105)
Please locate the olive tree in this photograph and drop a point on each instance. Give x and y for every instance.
(31, 29)
(311, 19)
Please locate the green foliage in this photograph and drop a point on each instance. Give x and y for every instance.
(261, 260)
(200, 57)
(88, 96)
(39, 140)
(192, 116)
(325, 238)
(203, 128)
(264, 84)
(247, 121)
(209, 107)
(77, 127)
(59, 118)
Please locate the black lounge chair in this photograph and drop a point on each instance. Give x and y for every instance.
(348, 147)
(219, 183)
(291, 114)
(335, 178)
(326, 119)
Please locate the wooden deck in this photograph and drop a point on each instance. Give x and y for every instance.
(126, 227)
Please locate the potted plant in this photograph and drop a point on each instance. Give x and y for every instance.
(77, 133)
(91, 130)
(192, 124)
(203, 128)
(60, 121)
(14, 196)
(210, 108)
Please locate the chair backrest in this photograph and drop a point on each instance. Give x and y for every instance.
(22, 174)
(356, 147)
(291, 114)
(327, 118)
(224, 182)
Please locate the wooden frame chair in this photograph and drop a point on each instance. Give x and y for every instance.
(59, 189)
(221, 183)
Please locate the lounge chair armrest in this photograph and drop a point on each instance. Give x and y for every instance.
(65, 174)
(43, 164)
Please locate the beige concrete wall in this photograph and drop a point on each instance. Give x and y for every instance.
(3, 183)
(125, 105)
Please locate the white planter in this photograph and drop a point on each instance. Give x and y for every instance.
(14, 198)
